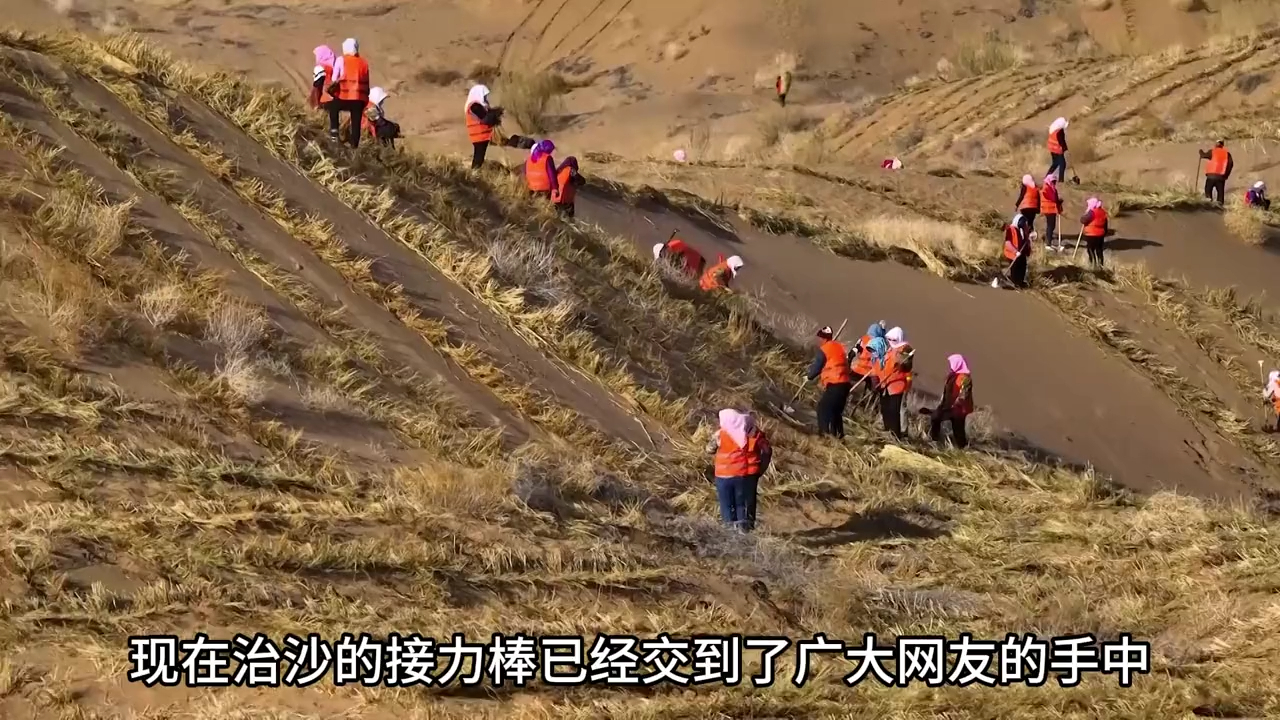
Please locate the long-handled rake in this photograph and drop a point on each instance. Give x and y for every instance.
(1077, 248)
(789, 408)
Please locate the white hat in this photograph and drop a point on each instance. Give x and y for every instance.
(735, 263)
(1259, 185)
(377, 95)
(657, 250)
(350, 46)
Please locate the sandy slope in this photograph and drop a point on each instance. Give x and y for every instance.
(1056, 389)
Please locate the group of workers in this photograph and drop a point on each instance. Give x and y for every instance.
(880, 364)
(340, 84)
(1218, 170)
(681, 258)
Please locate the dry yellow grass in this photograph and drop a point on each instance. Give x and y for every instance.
(546, 543)
(1246, 223)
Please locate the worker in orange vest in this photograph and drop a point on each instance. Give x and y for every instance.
(1095, 228)
(481, 120)
(1057, 146)
(867, 353)
(350, 88)
(321, 76)
(894, 375)
(1271, 393)
(568, 180)
(680, 255)
(832, 366)
(742, 455)
(1018, 237)
(718, 276)
(1217, 171)
(1051, 208)
(956, 403)
(376, 123)
(540, 171)
(783, 86)
(1029, 199)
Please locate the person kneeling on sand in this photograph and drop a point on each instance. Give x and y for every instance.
(568, 180)
(680, 256)
(375, 119)
(742, 455)
(718, 276)
(956, 403)
(1257, 196)
(1272, 394)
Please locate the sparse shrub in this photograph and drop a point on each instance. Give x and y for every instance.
(945, 69)
(928, 238)
(162, 305)
(482, 72)
(531, 98)
(242, 377)
(530, 264)
(1149, 125)
(438, 76)
(1247, 83)
(988, 54)
(235, 327)
(909, 138)
(1081, 144)
(97, 228)
(774, 124)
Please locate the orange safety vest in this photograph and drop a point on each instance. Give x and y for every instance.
(836, 370)
(1030, 199)
(535, 174)
(734, 461)
(1097, 227)
(324, 86)
(862, 366)
(961, 393)
(1049, 200)
(1012, 242)
(1217, 162)
(1275, 402)
(565, 193)
(1054, 147)
(893, 378)
(716, 276)
(691, 258)
(354, 84)
(477, 131)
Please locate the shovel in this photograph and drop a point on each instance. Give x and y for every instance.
(789, 407)
(1077, 248)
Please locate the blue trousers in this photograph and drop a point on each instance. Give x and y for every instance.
(737, 497)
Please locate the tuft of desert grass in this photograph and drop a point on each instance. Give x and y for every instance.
(1248, 224)
(987, 54)
(1096, 5)
(531, 98)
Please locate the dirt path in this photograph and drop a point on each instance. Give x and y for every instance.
(1198, 247)
(433, 293)
(1059, 391)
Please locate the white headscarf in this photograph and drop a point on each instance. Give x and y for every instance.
(657, 251)
(1273, 384)
(478, 94)
(895, 337)
(350, 47)
(1059, 124)
(735, 264)
(377, 95)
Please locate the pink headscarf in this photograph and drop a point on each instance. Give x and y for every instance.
(1028, 181)
(1092, 204)
(957, 363)
(324, 56)
(737, 424)
(1273, 385)
(1051, 179)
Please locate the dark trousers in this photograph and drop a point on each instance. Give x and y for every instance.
(1215, 184)
(1030, 214)
(958, 437)
(356, 110)
(478, 150)
(1018, 271)
(782, 99)
(1094, 245)
(1050, 230)
(737, 496)
(1057, 164)
(891, 414)
(831, 409)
